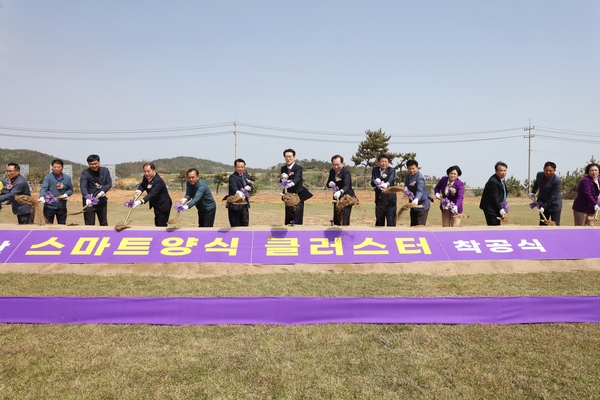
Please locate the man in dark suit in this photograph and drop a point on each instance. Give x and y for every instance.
(549, 195)
(95, 181)
(494, 193)
(17, 185)
(385, 204)
(292, 173)
(157, 195)
(341, 181)
(239, 185)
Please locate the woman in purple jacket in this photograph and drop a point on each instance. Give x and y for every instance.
(588, 192)
(452, 189)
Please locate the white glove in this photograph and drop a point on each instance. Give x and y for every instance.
(541, 209)
(502, 212)
(247, 188)
(384, 185)
(337, 195)
(455, 210)
(137, 193)
(185, 207)
(137, 203)
(438, 196)
(183, 200)
(290, 184)
(42, 200)
(101, 194)
(331, 184)
(415, 201)
(531, 194)
(596, 207)
(88, 202)
(241, 194)
(377, 180)
(64, 196)
(284, 176)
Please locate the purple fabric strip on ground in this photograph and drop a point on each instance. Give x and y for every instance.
(298, 310)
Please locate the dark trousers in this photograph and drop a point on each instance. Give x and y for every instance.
(295, 214)
(551, 216)
(418, 217)
(342, 217)
(206, 219)
(89, 215)
(491, 219)
(385, 211)
(60, 213)
(25, 219)
(238, 217)
(161, 218)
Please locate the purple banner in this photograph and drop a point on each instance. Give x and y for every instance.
(9, 242)
(290, 246)
(297, 310)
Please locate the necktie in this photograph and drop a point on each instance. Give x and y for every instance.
(504, 188)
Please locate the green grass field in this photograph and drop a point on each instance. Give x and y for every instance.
(346, 361)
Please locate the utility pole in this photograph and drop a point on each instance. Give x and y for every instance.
(529, 136)
(235, 135)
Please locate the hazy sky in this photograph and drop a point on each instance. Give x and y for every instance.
(454, 81)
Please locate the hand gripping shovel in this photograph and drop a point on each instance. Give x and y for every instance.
(543, 217)
(173, 222)
(126, 224)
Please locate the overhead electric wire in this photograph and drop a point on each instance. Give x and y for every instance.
(117, 139)
(114, 132)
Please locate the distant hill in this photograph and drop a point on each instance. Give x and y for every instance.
(38, 162)
(173, 165)
(41, 162)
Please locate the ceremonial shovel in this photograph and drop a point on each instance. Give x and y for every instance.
(544, 219)
(125, 224)
(175, 221)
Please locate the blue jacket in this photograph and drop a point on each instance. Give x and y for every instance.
(51, 184)
(416, 184)
(201, 196)
(19, 186)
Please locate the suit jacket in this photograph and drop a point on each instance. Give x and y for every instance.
(343, 181)
(19, 186)
(94, 183)
(587, 196)
(493, 196)
(295, 175)
(549, 194)
(387, 175)
(416, 184)
(51, 184)
(238, 182)
(456, 197)
(157, 194)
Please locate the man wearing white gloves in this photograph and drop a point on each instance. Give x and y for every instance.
(548, 186)
(61, 187)
(494, 194)
(95, 181)
(292, 173)
(385, 204)
(239, 185)
(157, 195)
(199, 195)
(415, 182)
(340, 181)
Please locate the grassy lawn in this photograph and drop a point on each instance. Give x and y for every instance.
(348, 361)
(313, 361)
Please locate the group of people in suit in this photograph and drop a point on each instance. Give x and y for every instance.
(95, 182)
